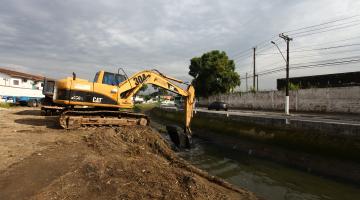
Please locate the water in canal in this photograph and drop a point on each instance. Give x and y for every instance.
(266, 179)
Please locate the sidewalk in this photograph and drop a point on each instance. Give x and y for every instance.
(323, 117)
(334, 124)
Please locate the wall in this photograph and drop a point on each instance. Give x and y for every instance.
(25, 88)
(341, 100)
(302, 143)
(14, 91)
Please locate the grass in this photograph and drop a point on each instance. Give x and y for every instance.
(144, 107)
(5, 105)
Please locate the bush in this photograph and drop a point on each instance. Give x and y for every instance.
(293, 86)
(4, 105)
(253, 90)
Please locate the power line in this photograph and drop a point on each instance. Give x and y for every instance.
(248, 52)
(343, 27)
(322, 63)
(315, 49)
(321, 24)
(294, 32)
(338, 24)
(267, 46)
(307, 66)
(335, 41)
(327, 48)
(242, 52)
(326, 27)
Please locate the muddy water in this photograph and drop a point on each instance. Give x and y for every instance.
(265, 178)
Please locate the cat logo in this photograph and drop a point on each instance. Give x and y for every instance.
(97, 99)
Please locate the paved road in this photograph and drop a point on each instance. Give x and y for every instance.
(313, 117)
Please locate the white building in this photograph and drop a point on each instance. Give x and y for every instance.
(18, 84)
(138, 99)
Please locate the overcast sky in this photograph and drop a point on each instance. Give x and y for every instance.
(56, 37)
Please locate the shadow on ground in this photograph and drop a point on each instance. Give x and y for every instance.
(49, 122)
(29, 112)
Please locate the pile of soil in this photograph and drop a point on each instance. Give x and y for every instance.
(123, 163)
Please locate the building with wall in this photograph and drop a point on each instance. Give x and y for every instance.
(323, 81)
(19, 84)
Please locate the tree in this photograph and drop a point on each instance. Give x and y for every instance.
(213, 73)
(143, 87)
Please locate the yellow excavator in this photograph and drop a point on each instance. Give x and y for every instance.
(82, 103)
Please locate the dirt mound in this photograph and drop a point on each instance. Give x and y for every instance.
(124, 163)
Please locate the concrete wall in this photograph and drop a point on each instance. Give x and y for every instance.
(341, 100)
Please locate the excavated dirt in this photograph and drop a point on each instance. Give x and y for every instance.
(38, 160)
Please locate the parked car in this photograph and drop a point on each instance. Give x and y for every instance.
(217, 105)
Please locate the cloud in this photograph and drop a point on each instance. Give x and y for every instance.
(58, 37)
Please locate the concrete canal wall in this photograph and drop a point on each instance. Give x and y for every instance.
(337, 100)
(322, 125)
(307, 144)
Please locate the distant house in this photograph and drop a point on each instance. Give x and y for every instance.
(138, 99)
(166, 97)
(20, 85)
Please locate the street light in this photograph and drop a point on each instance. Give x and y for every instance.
(279, 50)
(287, 39)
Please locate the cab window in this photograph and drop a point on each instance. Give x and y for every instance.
(119, 78)
(96, 77)
(109, 78)
(113, 79)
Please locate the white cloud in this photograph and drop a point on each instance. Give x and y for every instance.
(84, 36)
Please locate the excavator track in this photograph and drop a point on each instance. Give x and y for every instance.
(73, 119)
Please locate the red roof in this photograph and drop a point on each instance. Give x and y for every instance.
(21, 74)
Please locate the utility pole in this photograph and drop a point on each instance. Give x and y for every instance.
(257, 82)
(246, 82)
(287, 101)
(254, 68)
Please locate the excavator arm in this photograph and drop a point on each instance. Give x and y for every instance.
(132, 85)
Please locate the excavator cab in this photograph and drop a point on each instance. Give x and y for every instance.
(109, 78)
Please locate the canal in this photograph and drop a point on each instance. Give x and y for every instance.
(239, 161)
(266, 179)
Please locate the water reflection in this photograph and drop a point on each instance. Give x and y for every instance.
(266, 179)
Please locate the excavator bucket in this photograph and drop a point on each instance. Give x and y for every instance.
(183, 139)
(189, 107)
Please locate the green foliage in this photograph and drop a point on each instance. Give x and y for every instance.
(147, 97)
(5, 105)
(252, 89)
(213, 73)
(145, 107)
(143, 87)
(293, 86)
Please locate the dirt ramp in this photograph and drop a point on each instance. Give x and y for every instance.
(125, 163)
